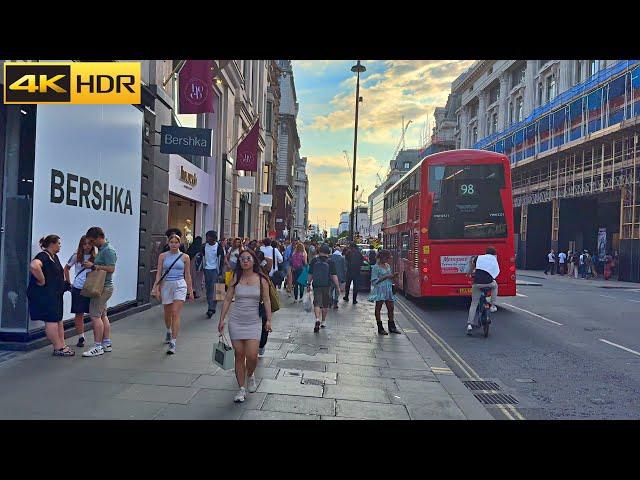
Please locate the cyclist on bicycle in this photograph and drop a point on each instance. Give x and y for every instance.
(484, 270)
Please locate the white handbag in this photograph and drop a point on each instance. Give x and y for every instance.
(223, 354)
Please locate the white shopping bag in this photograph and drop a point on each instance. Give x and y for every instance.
(223, 354)
(307, 301)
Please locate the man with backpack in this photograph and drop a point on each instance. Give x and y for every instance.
(322, 273)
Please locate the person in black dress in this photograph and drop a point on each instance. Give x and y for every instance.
(45, 292)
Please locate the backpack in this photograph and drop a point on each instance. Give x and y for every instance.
(297, 260)
(321, 276)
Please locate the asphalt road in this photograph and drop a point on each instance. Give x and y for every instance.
(558, 348)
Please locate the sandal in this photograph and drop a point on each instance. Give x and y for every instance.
(64, 352)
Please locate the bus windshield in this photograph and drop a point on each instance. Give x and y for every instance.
(467, 202)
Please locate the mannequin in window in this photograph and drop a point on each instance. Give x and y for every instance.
(188, 232)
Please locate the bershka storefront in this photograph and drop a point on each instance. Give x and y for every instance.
(66, 169)
(190, 199)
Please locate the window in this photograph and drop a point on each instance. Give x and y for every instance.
(594, 67)
(517, 75)
(540, 90)
(519, 109)
(490, 71)
(265, 179)
(405, 245)
(494, 122)
(577, 76)
(510, 113)
(494, 93)
(474, 135)
(551, 87)
(269, 115)
(406, 165)
(467, 202)
(473, 110)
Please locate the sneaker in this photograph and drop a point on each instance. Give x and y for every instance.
(469, 330)
(107, 348)
(261, 352)
(80, 342)
(355, 302)
(345, 299)
(94, 352)
(252, 384)
(172, 349)
(167, 337)
(316, 329)
(493, 309)
(240, 396)
(209, 313)
(323, 324)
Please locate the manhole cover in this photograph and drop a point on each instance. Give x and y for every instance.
(312, 381)
(292, 374)
(481, 385)
(496, 399)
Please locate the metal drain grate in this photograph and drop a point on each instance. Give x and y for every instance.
(312, 381)
(496, 399)
(292, 374)
(481, 385)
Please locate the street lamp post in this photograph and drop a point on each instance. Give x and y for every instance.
(358, 69)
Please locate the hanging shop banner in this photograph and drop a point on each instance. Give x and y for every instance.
(186, 141)
(247, 153)
(195, 84)
(88, 161)
(246, 184)
(602, 243)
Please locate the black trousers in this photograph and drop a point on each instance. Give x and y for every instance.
(264, 335)
(355, 278)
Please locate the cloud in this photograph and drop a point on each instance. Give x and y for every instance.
(409, 88)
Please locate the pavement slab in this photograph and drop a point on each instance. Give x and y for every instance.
(267, 415)
(296, 404)
(289, 388)
(356, 392)
(371, 411)
(157, 393)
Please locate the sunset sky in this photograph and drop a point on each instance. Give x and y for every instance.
(390, 89)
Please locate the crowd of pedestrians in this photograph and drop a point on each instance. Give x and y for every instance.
(243, 272)
(585, 265)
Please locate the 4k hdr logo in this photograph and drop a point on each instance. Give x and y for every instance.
(72, 82)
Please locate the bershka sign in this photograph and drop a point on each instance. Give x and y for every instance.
(187, 141)
(77, 191)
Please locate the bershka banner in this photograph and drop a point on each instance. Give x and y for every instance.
(247, 153)
(195, 87)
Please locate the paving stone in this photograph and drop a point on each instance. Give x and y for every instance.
(419, 399)
(267, 415)
(290, 375)
(471, 407)
(158, 393)
(424, 375)
(405, 385)
(224, 399)
(275, 353)
(164, 378)
(318, 357)
(199, 412)
(408, 364)
(114, 375)
(329, 378)
(439, 410)
(371, 411)
(362, 360)
(217, 382)
(301, 365)
(399, 355)
(359, 370)
(397, 348)
(388, 384)
(355, 392)
(289, 388)
(453, 385)
(297, 404)
(340, 418)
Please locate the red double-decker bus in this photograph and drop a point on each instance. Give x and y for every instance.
(449, 207)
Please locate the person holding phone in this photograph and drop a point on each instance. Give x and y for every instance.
(382, 291)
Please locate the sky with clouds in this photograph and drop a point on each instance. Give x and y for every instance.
(390, 89)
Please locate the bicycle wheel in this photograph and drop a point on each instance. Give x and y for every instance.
(485, 324)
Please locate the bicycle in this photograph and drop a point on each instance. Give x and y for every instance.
(483, 314)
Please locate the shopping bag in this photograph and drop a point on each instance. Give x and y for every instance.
(228, 276)
(220, 292)
(274, 297)
(302, 278)
(307, 302)
(223, 354)
(94, 284)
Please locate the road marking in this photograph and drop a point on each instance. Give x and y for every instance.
(534, 314)
(606, 296)
(620, 346)
(636, 301)
(464, 366)
(522, 295)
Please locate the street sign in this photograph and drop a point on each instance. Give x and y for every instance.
(188, 141)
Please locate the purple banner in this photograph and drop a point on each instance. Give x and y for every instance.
(247, 153)
(195, 81)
